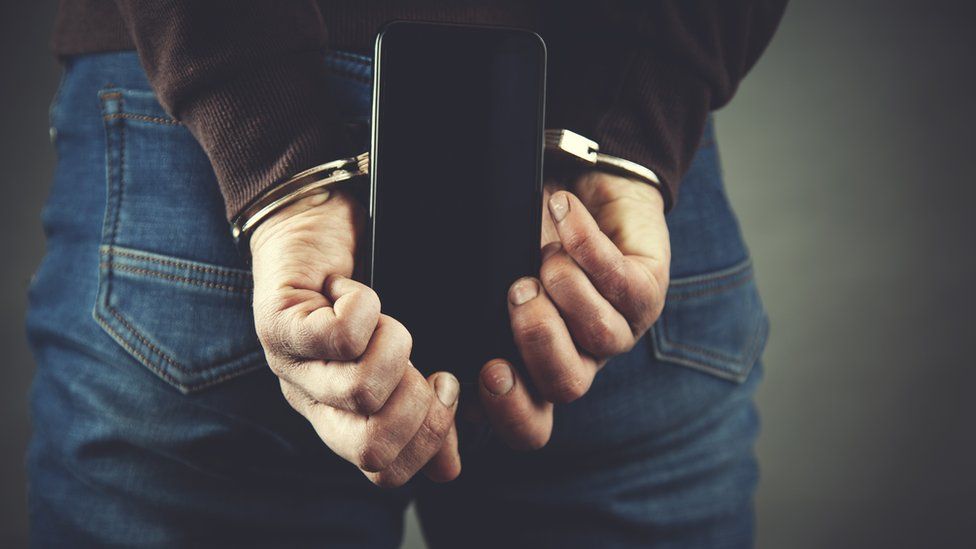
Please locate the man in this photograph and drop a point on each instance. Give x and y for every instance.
(156, 419)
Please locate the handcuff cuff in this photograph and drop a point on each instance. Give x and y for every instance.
(322, 178)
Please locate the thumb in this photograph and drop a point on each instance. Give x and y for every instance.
(445, 466)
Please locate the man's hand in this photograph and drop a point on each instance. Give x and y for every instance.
(342, 364)
(606, 258)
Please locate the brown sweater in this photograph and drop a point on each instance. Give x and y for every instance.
(246, 76)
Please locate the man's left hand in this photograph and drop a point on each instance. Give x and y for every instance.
(606, 258)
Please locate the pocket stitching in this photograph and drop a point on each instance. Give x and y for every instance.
(162, 373)
(718, 372)
(116, 172)
(708, 281)
(221, 271)
(735, 271)
(162, 354)
(121, 162)
(750, 350)
(231, 276)
(141, 117)
(175, 278)
(712, 290)
(712, 278)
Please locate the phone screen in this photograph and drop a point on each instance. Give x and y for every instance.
(456, 185)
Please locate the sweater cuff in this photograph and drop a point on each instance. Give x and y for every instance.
(263, 125)
(656, 118)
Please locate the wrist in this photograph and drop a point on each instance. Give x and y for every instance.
(321, 179)
(278, 221)
(600, 188)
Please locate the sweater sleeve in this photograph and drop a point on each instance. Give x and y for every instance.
(247, 78)
(640, 78)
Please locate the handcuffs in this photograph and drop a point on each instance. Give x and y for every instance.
(322, 178)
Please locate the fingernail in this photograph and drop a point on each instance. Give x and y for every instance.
(498, 378)
(523, 290)
(558, 206)
(447, 389)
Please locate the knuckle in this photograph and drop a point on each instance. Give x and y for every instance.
(287, 369)
(555, 275)
(612, 281)
(565, 389)
(292, 396)
(266, 306)
(534, 332)
(365, 398)
(401, 341)
(576, 243)
(418, 393)
(389, 480)
(374, 455)
(602, 339)
(435, 428)
(279, 367)
(267, 325)
(368, 295)
(348, 340)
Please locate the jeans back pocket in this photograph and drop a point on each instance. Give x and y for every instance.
(714, 323)
(172, 289)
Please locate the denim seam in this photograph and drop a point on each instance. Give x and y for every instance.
(710, 291)
(219, 271)
(177, 278)
(162, 373)
(713, 277)
(716, 371)
(162, 354)
(144, 118)
(155, 349)
(709, 284)
(120, 168)
(56, 100)
(666, 335)
(142, 339)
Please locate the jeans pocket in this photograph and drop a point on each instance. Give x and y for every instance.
(714, 323)
(172, 290)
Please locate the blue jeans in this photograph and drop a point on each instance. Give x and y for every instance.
(157, 422)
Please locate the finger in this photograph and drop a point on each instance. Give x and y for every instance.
(369, 442)
(341, 431)
(390, 430)
(629, 286)
(522, 420)
(554, 364)
(445, 466)
(429, 438)
(305, 324)
(593, 322)
(630, 212)
(362, 386)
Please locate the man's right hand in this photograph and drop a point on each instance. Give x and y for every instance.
(342, 364)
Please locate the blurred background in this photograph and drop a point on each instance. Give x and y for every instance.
(849, 156)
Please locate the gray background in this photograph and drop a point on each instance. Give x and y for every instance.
(848, 154)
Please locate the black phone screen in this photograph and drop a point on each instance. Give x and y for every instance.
(456, 169)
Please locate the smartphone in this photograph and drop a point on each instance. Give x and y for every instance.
(456, 185)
